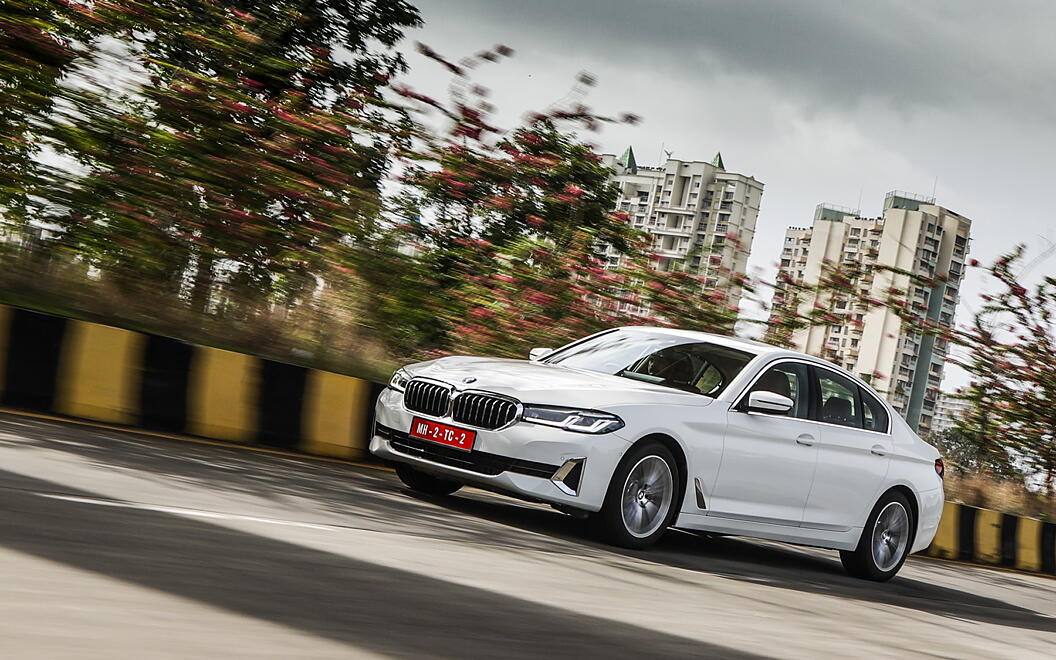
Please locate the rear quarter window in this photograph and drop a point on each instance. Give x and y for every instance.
(874, 415)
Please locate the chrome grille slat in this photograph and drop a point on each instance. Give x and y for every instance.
(483, 410)
(426, 397)
(480, 409)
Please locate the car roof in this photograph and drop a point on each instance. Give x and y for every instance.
(749, 345)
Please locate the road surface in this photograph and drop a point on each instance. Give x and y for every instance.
(118, 545)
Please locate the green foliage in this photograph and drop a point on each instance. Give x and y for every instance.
(966, 452)
(1010, 351)
(247, 152)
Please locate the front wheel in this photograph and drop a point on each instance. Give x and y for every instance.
(423, 482)
(884, 544)
(640, 502)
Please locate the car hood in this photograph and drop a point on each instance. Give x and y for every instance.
(535, 382)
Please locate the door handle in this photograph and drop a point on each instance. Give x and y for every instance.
(878, 450)
(805, 440)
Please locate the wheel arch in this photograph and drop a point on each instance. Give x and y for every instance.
(914, 506)
(675, 447)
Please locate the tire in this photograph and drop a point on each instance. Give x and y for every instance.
(627, 518)
(885, 541)
(423, 482)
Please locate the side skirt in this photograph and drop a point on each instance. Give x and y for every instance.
(820, 538)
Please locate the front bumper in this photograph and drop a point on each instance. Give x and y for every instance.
(520, 459)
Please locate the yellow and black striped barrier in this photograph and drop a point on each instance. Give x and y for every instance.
(982, 536)
(98, 372)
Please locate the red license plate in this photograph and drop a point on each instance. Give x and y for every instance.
(446, 435)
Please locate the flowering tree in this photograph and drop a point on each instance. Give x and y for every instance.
(799, 303)
(249, 143)
(474, 199)
(1010, 351)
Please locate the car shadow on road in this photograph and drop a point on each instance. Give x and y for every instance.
(367, 606)
(772, 564)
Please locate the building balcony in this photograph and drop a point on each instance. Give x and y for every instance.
(675, 253)
(667, 207)
(671, 231)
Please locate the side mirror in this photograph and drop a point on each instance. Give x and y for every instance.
(769, 402)
(537, 353)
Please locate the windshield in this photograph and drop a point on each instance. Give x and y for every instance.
(658, 358)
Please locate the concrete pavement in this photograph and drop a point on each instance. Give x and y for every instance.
(119, 545)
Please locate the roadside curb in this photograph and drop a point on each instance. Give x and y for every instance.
(73, 421)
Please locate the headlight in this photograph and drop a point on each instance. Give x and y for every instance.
(573, 419)
(399, 380)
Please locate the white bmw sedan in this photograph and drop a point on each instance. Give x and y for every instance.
(641, 429)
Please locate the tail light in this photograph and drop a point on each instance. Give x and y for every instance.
(940, 469)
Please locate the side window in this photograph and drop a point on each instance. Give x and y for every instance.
(787, 379)
(837, 400)
(874, 417)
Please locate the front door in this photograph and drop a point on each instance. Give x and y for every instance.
(768, 460)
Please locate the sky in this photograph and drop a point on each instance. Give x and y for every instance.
(821, 100)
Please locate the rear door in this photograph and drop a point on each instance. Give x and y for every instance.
(853, 450)
(768, 460)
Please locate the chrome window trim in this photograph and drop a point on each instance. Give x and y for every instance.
(748, 388)
(812, 363)
(865, 390)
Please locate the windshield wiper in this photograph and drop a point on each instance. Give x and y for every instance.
(634, 375)
(663, 382)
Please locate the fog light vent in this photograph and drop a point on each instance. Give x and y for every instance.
(568, 476)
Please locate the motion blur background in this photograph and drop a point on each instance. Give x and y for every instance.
(353, 186)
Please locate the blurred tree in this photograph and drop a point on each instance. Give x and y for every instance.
(975, 444)
(1010, 351)
(799, 303)
(39, 42)
(472, 192)
(248, 144)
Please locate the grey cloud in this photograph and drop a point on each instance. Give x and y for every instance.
(996, 56)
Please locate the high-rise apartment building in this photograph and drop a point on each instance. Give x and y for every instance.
(915, 235)
(948, 409)
(694, 210)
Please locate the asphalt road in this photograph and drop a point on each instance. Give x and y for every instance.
(116, 545)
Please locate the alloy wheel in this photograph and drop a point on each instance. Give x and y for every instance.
(890, 536)
(647, 496)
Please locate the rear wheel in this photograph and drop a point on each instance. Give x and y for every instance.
(423, 482)
(885, 541)
(640, 502)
